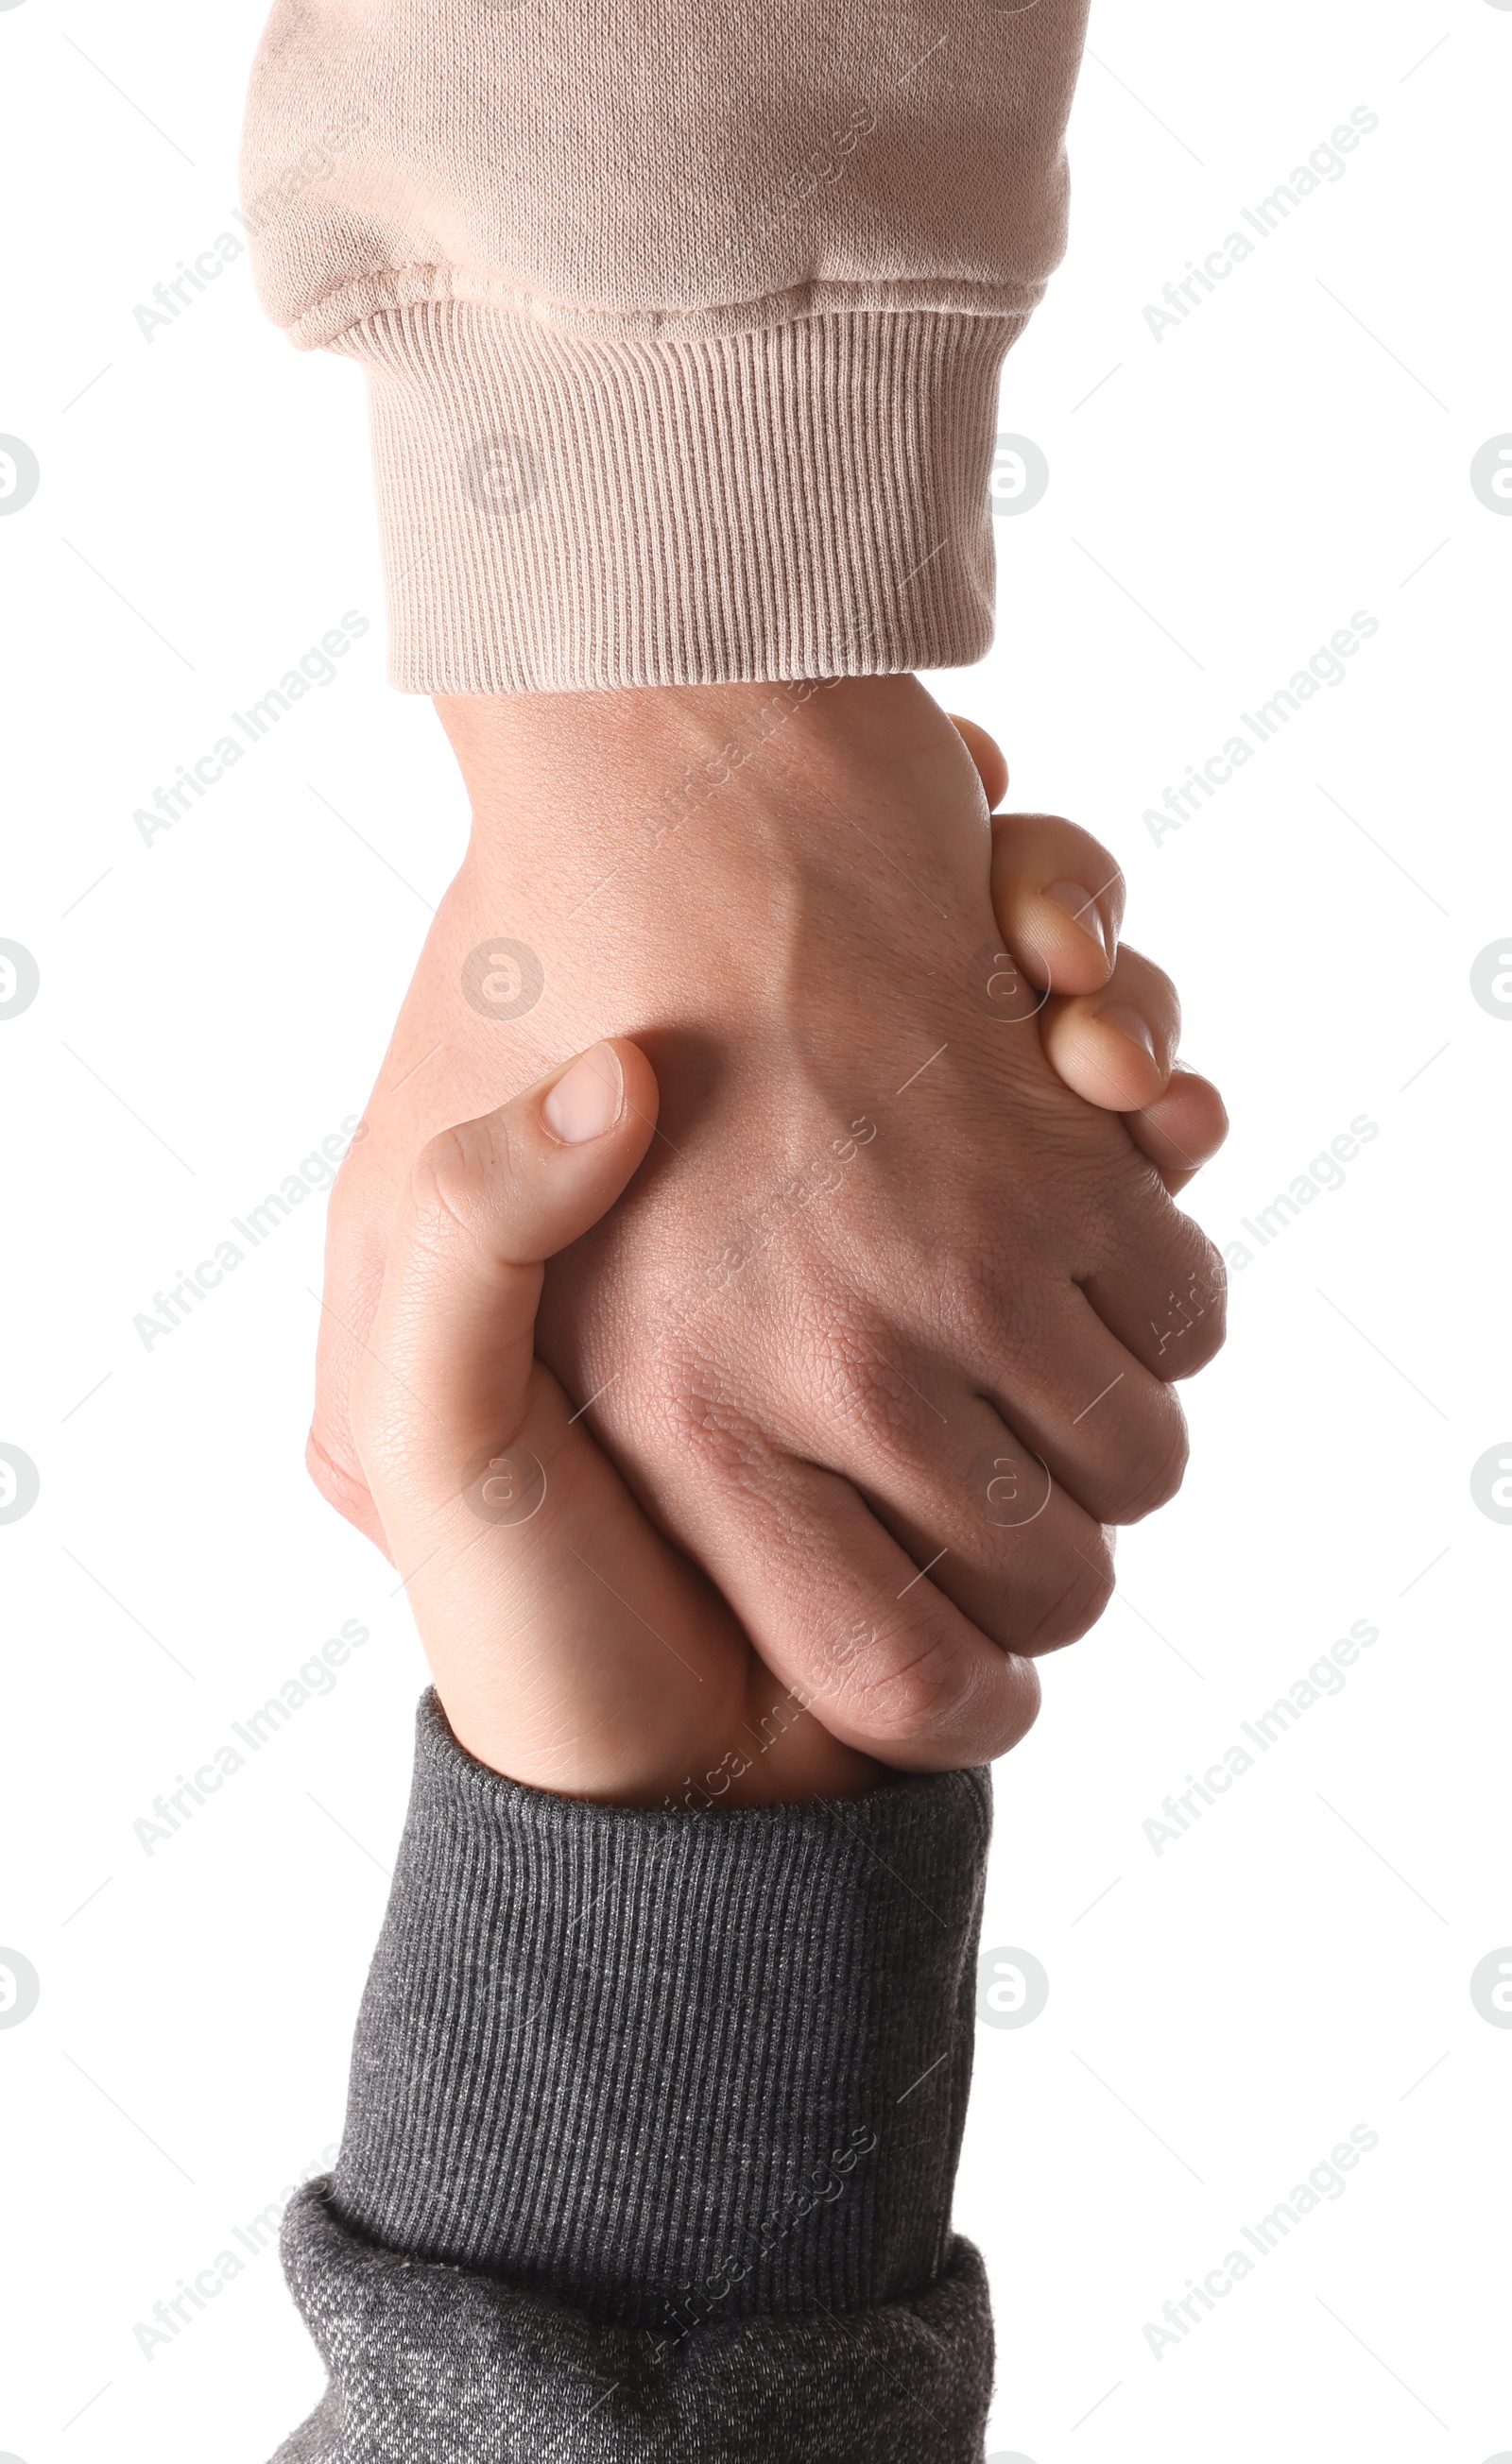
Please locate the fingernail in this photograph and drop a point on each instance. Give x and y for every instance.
(589, 1100)
(1128, 1023)
(1082, 908)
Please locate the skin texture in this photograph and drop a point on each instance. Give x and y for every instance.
(1111, 1028)
(572, 1648)
(884, 1333)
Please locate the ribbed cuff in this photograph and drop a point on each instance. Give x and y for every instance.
(564, 512)
(669, 2068)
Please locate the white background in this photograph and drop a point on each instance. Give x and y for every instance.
(213, 1004)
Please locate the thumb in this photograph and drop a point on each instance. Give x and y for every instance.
(992, 762)
(447, 1365)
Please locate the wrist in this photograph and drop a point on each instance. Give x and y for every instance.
(774, 1752)
(678, 856)
(765, 1746)
(637, 770)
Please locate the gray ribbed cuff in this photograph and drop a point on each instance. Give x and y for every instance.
(563, 512)
(669, 2068)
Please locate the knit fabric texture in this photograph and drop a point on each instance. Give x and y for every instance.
(652, 2134)
(682, 319)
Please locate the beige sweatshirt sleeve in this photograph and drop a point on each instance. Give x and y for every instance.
(681, 320)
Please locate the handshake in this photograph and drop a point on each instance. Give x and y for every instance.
(695, 1515)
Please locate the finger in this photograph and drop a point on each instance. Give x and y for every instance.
(446, 1369)
(1183, 1129)
(992, 765)
(984, 1510)
(1005, 1493)
(1110, 1433)
(1160, 1286)
(1116, 1048)
(848, 1618)
(1058, 898)
(951, 1578)
(570, 1645)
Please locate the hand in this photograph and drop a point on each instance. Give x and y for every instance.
(1111, 1030)
(879, 1249)
(572, 1648)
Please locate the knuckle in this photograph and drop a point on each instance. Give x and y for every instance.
(1205, 1327)
(879, 1403)
(678, 1412)
(917, 1695)
(1104, 872)
(980, 1311)
(849, 1368)
(1085, 1593)
(1080, 842)
(974, 1288)
(1193, 1323)
(1157, 1468)
(341, 1483)
(457, 1178)
(1157, 985)
(1166, 1007)
(860, 1366)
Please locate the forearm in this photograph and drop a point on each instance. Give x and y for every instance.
(653, 2131)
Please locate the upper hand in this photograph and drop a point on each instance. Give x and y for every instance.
(888, 1297)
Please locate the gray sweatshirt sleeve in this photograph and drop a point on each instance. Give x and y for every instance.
(651, 2132)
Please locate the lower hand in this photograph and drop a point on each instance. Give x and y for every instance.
(572, 1648)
